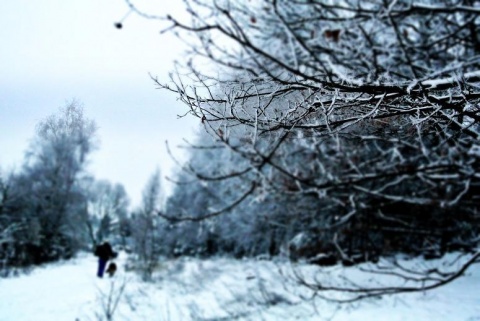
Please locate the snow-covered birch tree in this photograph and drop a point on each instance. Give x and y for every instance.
(50, 183)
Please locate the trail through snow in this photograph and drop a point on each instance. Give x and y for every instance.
(214, 289)
(60, 291)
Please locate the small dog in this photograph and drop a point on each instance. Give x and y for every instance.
(112, 268)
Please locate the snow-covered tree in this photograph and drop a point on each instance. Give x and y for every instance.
(372, 107)
(9, 224)
(107, 212)
(261, 224)
(50, 200)
(145, 225)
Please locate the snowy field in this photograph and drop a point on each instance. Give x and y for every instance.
(214, 289)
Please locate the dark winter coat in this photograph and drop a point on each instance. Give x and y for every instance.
(104, 251)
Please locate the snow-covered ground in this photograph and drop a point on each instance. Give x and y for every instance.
(214, 289)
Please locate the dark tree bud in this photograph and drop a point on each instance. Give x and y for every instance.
(118, 25)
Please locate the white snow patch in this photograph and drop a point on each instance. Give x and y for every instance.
(216, 289)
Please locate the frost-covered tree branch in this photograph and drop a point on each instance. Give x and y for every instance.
(367, 112)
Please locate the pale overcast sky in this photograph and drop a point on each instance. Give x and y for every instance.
(53, 51)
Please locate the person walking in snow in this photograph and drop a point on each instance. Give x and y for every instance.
(104, 253)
